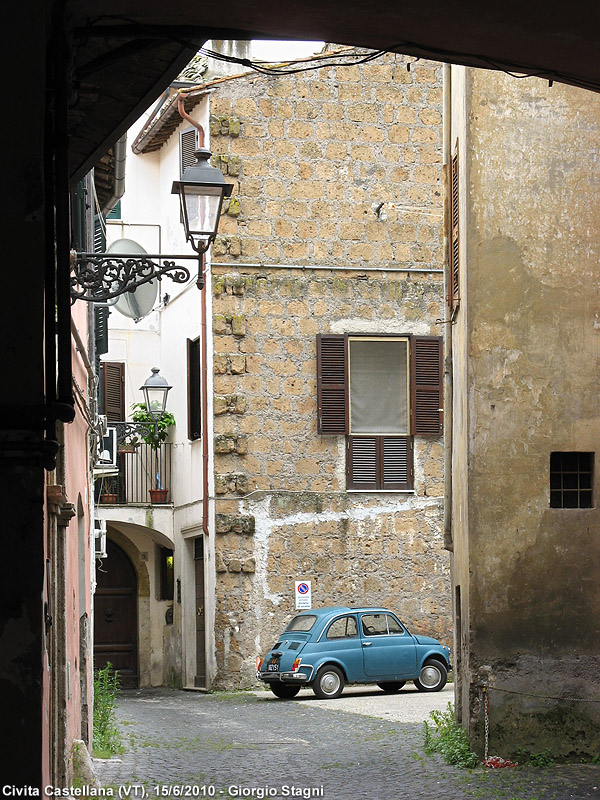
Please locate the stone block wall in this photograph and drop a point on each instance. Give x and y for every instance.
(337, 168)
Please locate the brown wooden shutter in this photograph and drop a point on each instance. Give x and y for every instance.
(453, 272)
(113, 390)
(362, 462)
(396, 462)
(426, 385)
(332, 404)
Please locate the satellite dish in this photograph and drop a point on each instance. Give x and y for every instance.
(139, 303)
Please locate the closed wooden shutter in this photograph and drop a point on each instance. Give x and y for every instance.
(454, 274)
(396, 460)
(101, 329)
(194, 389)
(113, 386)
(426, 385)
(187, 148)
(379, 462)
(332, 404)
(362, 462)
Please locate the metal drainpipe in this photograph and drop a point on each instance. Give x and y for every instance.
(204, 406)
(448, 385)
(119, 154)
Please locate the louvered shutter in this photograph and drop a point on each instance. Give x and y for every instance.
(113, 385)
(361, 462)
(396, 459)
(332, 406)
(101, 329)
(194, 389)
(99, 234)
(187, 148)
(426, 385)
(453, 276)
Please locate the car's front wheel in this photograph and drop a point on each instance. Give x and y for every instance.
(329, 682)
(391, 686)
(433, 676)
(284, 691)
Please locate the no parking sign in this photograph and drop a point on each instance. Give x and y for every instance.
(303, 595)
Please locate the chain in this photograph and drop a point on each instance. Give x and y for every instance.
(486, 701)
(542, 696)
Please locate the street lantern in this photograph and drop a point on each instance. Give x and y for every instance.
(155, 391)
(201, 191)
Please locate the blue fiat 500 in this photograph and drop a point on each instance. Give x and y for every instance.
(327, 648)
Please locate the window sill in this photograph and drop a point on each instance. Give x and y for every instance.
(380, 491)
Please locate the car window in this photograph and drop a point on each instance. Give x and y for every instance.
(302, 622)
(374, 624)
(342, 628)
(393, 625)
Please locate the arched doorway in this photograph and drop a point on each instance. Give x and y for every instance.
(115, 616)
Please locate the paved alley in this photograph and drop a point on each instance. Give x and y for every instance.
(189, 744)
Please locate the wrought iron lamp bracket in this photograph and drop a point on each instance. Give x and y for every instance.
(98, 277)
(129, 430)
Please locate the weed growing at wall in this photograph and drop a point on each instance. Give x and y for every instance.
(541, 759)
(447, 737)
(107, 739)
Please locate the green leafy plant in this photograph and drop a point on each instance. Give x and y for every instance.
(542, 759)
(107, 739)
(447, 737)
(157, 432)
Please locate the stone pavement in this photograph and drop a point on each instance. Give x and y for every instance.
(250, 744)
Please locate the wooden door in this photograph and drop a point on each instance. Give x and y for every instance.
(115, 616)
(200, 679)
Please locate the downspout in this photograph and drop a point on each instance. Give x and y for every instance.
(448, 386)
(184, 115)
(119, 155)
(204, 409)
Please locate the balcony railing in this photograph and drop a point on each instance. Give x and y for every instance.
(137, 481)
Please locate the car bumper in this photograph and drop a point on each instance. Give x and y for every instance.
(283, 677)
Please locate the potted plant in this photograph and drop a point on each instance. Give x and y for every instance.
(108, 492)
(158, 430)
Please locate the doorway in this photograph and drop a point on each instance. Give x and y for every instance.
(115, 616)
(200, 679)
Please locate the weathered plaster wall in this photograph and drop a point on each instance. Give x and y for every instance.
(312, 158)
(532, 340)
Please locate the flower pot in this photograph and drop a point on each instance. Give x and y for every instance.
(108, 498)
(158, 496)
(126, 448)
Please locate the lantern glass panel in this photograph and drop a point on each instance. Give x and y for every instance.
(202, 205)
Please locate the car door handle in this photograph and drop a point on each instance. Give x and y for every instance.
(367, 644)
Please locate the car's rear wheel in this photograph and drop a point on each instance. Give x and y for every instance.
(391, 686)
(433, 676)
(329, 682)
(284, 691)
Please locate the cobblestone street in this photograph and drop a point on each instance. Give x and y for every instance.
(253, 745)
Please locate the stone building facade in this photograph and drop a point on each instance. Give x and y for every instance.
(334, 227)
(526, 422)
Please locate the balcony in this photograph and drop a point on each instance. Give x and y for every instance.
(136, 483)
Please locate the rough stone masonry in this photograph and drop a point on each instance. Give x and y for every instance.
(337, 179)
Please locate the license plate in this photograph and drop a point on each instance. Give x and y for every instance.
(272, 667)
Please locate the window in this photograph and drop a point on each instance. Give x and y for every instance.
(343, 628)
(571, 480)
(380, 391)
(303, 622)
(166, 574)
(380, 625)
(194, 389)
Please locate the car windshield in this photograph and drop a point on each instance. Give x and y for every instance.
(303, 622)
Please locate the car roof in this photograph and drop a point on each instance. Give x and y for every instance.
(328, 610)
